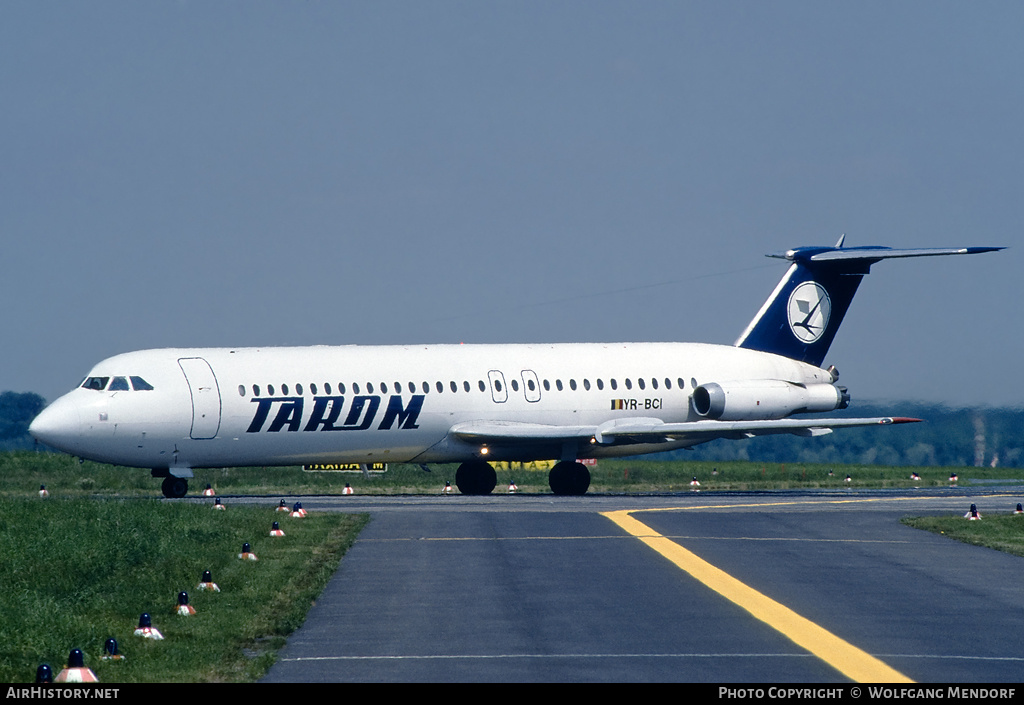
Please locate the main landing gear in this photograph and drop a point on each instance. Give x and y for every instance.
(476, 477)
(566, 478)
(569, 478)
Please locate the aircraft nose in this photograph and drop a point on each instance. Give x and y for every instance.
(58, 425)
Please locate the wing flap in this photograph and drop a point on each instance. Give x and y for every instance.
(510, 431)
(653, 430)
(709, 430)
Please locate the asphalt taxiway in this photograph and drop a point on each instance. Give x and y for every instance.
(724, 588)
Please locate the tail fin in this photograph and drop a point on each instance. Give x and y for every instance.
(800, 319)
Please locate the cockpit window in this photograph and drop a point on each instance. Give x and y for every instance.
(140, 384)
(117, 384)
(97, 383)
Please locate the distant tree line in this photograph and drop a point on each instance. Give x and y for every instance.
(16, 413)
(982, 437)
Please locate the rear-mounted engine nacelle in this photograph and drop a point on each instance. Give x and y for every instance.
(765, 399)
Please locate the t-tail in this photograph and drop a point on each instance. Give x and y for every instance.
(801, 317)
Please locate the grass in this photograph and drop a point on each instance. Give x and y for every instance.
(82, 565)
(78, 571)
(1003, 532)
(21, 474)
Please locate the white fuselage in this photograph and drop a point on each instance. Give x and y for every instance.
(219, 407)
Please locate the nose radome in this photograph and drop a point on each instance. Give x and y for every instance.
(57, 425)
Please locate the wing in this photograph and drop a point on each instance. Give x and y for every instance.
(650, 430)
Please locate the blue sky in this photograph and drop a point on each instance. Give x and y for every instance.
(289, 173)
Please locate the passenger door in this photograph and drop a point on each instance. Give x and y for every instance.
(202, 384)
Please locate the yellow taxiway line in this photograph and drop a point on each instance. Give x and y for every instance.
(852, 662)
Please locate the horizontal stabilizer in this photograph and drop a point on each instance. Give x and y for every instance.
(874, 253)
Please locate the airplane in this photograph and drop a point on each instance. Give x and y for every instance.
(179, 409)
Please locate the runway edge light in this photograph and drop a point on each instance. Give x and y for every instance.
(206, 582)
(76, 672)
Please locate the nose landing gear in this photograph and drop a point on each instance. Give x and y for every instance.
(175, 487)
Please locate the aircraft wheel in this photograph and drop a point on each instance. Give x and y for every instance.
(175, 487)
(476, 477)
(569, 479)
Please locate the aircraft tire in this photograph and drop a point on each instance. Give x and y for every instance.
(569, 479)
(476, 478)
(174, 487)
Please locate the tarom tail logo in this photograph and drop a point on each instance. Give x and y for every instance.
(809, 309)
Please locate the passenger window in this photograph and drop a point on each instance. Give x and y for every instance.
(483, 387)
(241, 390)
(615, 385)
(270, 389)
(654, 383)
(398, 388)
(312, 387)
(572, 384)
(629, 383)
(440, 387)
(255, 390)
(668, 383)
(284, 389)
(141, 385)
(327, 387)
(558, 384)
(355, 388)
(369, 388)
(465, 385)
(682, 384)
(425, 387)
(412, 387)
(454, 386)
(515, 385)
(586, 384)
(600, 384)
(96, 383)
(640, 383)
(298, 389)
(547, 386)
